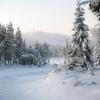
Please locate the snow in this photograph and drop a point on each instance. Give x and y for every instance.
(12, 78)
(32, 83)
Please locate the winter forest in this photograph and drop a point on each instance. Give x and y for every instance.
(13, 49)
(45, 68)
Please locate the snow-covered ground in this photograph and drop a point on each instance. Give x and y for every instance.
(13, 78)
(32, 83)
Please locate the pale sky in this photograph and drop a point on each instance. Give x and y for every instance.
(55, 16)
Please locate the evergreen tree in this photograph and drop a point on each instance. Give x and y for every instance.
(97, 54)
(8, 50)
(2, 32)
(96, 33)
(18, 44)
(37, 60)
(44, 52)
(2, 37)
(10, 31)
(8, 44)
(41, 53)
(81, 51)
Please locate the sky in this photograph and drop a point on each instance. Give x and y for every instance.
(54, 16)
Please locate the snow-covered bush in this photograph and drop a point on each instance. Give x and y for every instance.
(26, 59)
(57, 68)
(37, 55)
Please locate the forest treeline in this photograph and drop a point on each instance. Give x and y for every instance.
(13, 48)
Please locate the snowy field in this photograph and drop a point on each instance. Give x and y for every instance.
(32, 83)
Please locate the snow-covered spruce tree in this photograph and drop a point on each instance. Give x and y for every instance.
(41, 53)
(7, 43)
(97, 54)
(45, 52)
(2, 37)
(96, 34)
(37, 54)
(18, 45)
(81, 52)
(10, 31)
(2, 32)
(24, 47)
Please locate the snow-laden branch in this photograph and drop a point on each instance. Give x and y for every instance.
(88, 1)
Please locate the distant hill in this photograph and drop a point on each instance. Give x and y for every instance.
(50, 38)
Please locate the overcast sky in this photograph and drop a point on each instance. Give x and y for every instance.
(55, 16)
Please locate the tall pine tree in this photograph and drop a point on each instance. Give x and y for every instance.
(2, 37)
(10, 31)
(81, 52)
(19, 43)
(3, 32)
(96, 34)
(8, 44)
